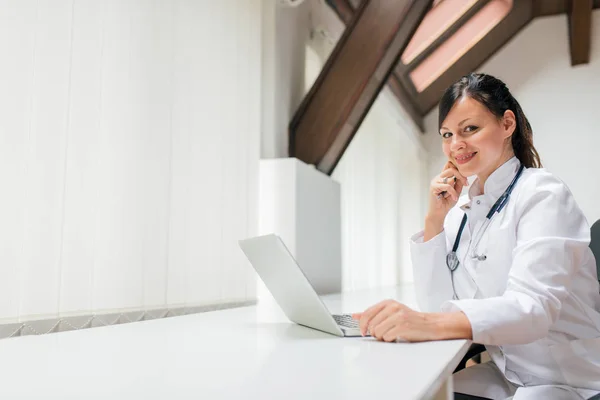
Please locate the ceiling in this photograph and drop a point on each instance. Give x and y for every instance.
(417, 48)
(454, 38)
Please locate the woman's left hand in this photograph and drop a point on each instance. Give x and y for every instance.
(391, 321)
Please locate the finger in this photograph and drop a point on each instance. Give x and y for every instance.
(453, 172)
(459, 185)
(379, 329)
(357, 315)
(450, 179)
(450, 165)
(395, 334)
(461, 177)
(455, 182)
(373, 308)
(443, 186)
(382, 316)
(371, 313)
(443, 195)
(448, 173)
(440, 187)
(368, 315)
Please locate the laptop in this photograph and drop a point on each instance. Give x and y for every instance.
(291, 289)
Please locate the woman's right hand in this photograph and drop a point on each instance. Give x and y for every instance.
(451, 182)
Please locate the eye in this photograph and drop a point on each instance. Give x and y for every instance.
(471, 128)
(446, 135)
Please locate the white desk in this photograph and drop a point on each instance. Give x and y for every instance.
(244, 353)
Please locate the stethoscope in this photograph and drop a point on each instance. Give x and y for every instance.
(452, 259)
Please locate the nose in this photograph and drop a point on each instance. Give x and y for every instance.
(457, 143)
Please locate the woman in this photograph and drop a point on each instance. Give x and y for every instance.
(523, 281)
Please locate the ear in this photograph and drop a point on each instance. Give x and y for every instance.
(509, 123)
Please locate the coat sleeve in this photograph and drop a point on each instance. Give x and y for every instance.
(431, 276)
(552, 237)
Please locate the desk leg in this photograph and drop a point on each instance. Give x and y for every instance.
(446, 391)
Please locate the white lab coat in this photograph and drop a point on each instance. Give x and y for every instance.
(534, 301)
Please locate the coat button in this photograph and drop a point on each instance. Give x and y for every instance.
(478, 201)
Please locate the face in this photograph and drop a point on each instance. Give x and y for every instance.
(475, 140)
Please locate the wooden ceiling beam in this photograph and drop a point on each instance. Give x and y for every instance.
(345, 10)
(351, 79)
(542, 8)
(580, 31)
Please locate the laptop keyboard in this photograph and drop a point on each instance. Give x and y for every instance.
(346, 321)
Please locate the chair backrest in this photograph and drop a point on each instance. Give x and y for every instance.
(595, 244)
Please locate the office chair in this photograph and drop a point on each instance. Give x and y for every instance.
(595, 244)
(477, 349)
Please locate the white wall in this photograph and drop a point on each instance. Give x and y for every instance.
(382, 175)
(560, 101)
(129, 147)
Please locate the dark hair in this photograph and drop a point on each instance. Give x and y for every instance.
(495, 96)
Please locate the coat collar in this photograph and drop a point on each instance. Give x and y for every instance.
(496, 183)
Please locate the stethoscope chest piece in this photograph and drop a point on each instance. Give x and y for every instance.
(452, 260)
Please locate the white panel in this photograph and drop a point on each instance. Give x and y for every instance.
(253, 137)
(234, 190)
(153, 40)
(211, 146)
(302, 206)
(81, 189)
(140, 95)
(129, 153)
(117, 271)
(40, 274)
(17, 42)
(276, 208)
(181, 157)
(159, 174)
(318, 228)
(277, 200)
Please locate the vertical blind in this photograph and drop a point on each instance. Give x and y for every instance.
(129, 147)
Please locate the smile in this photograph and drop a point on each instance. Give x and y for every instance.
(464, 158)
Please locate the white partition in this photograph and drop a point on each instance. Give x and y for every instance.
(302, 206)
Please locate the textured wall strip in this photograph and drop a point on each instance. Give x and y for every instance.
(45, 326)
